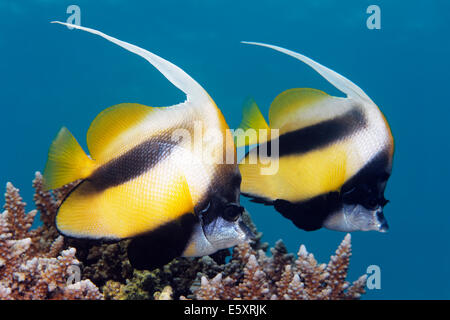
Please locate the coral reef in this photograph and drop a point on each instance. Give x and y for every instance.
(279, 277)
(33, 262)
(108, 267)
(39, 263)
(179, 274)
(103, 262)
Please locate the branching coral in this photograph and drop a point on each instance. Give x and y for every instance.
(33, 264)
(36, 264)
(179, 274)
(108, 267)
(281, 278)
(103, 262)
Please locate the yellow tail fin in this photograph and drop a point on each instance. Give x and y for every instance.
(252, 122)
(67, 162)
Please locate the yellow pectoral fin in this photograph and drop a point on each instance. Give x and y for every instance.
(135, 207)
(299, 177)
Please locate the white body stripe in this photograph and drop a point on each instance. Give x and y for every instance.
(364, 144)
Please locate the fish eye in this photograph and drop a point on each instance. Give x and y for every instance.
(372, 203)
(204, 210)
(232, 212)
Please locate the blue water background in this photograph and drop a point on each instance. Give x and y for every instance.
(51, 76)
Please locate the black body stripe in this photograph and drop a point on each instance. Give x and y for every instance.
(131, 164)
(318, 135)
(377, 170)
(158, 247)
(153, 249)
(367, 186)
(223, 190)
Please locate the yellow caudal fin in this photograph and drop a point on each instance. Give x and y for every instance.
(67, 162)
(253, 128)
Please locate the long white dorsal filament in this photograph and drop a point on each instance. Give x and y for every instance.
(174, 74)
(337, 80)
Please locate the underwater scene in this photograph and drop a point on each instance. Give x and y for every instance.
(223, 150)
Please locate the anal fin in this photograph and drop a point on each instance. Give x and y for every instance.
(157, 248)
(311, 214)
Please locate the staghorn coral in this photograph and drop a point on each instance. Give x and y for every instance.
(33, 262)
(281, 278)
(47, 204)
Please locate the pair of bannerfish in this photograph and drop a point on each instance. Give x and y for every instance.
(335, 157)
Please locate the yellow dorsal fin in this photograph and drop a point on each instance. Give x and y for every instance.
(252, 122)
(112, 122)
(293, 101)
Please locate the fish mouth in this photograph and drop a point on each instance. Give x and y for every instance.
(382, 222)
(359, 218)
(248, 233)
(223, 234)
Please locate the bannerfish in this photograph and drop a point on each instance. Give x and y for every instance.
(335, 155)
(144, 178)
